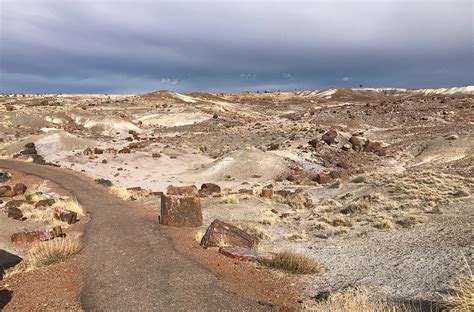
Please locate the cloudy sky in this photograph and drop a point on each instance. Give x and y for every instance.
(126, 46)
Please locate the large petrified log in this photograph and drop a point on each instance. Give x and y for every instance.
(181, 211)
(220, 232)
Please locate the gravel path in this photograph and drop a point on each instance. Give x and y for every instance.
(129, 264)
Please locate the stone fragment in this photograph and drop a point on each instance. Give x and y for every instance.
(5, 176)
(65, 215)
(239, 253)
(375, 147)
(313, 143)
(182, 190)
(181, 211)
(98, 151)
(19, 189)
(44, 203)
(357, 143)
(14, 213)
(40, 235)
(4, 189)
(88, 151)
(247, 191)
(330, 137)
(323, 177)
(124, 151)
(267, 193)
(208, 189)
(220, 231)
(273, 146)
(17, 203)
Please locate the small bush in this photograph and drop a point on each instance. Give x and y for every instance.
(293, 263)
(69, 204)
(359, 206)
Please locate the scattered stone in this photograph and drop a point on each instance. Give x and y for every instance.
(44, 203)
(98, 151)
(375, 147)
(220, 231)
(247, 191)
(17, 203)
(40, 235)
(330, 137)
(182, 190)
(357, 143)
(452, 137)
(156, 155)
(30, 149)
(323, 178)
(124, 151)
(215, 116)
(88, 151)
(284, 215)
(65, 215)
(14, 213)
(267, 193)
(104, 161)
(273, 147)
(208, 189)
(181, 211)
(314, 143)
(239, 253)
(19, 189)
(346, 147)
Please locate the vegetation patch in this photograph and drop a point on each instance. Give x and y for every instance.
(293, 263)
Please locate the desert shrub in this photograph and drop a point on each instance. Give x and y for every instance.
(384, 223)
(45, 217)
(293, 263)
(338, 220)
(359, 206)
(256, 231)
(461, 297)
(408, 221)
(199, 235)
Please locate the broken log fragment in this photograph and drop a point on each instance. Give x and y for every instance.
(220, 231)
(181, 211)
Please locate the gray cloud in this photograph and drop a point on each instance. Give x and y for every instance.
(139, 46)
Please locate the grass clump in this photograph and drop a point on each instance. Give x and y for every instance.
(461, 297)
(355, 300)
(69, 204)
(230, 199)
(358, 207)
(53, 251)
(293, 263)
(121, 192)
(45, 217)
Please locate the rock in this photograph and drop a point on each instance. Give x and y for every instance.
(29, 151)
(267, 193)
(124, 151)
(247, 191)
(215, 116)
(4, 189)
(7, 260)
(346, 147)
(156, 155)
(181, 211)
(14, 213)
(44, 203)
(232, 236)
(40, 235)
(357, 143)
(208, 189)
(239, 253)
(273, 147)
(104, 182)
(284, 215)
(314, 143)
(136, 145)
(65, 215)
(343, 164)
(104, 161)
(323, 178)
(182, 190)
(374, 147)
(30, 145)
(98, 151)
(17, 203)
(19, 189)
(330, 137)
(452, 137)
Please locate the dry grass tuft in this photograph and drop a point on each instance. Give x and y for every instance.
(53, 251)
(198, 236)
(358, 207)
(295, 201)
(45, 217)
(230, 199)
(121, 192)
(355, 300)
(257, 231)
(69, 204)
(462, 295)
(293, 263)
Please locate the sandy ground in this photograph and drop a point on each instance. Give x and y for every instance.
(406, 236)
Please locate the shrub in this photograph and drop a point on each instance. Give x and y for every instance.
(461, 297)
(230, 199)
(293, 263)
(52, 252)
(121, 192)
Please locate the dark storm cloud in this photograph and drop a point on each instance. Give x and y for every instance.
(137, 46)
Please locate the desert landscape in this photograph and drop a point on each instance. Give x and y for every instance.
(315, 200)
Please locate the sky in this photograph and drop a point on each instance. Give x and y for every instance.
(120, 46)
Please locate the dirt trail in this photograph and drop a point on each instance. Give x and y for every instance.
(129, 264)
